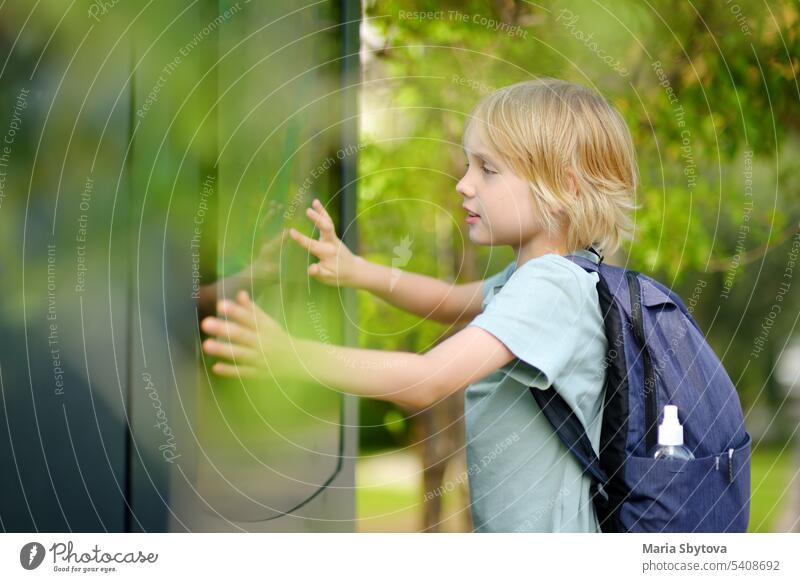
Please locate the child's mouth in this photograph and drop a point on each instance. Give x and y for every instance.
(472, 218)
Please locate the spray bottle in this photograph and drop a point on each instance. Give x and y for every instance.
(670, 437)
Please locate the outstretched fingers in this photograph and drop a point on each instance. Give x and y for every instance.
(233, 311)
(231, 370)
(233, 352)
(245, 310)
(308, 243)
(237, 338)
(322, 220)
(230, 330)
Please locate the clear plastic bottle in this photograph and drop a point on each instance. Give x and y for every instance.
(670, 437)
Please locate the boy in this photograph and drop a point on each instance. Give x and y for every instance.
(550, 172)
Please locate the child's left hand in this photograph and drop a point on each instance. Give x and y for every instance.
(251, 341)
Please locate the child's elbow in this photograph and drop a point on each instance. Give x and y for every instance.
(430, 380)
(434, 386)
(419, 390)
(417, 398)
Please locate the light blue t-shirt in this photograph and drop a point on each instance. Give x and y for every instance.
(522, 477)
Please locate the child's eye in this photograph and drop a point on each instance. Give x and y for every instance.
(484, 168)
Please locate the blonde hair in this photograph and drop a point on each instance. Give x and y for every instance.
(550, 132)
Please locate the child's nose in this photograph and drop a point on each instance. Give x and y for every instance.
(464, 188)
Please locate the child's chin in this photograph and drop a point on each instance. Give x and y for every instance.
(481, 239)
(478, 235)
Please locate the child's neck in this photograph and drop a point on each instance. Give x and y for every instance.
(537, 247)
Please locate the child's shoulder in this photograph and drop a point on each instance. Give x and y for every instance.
(553, 265)
(546, 275)
(550, 278)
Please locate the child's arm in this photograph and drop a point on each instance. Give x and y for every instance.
(422, 295)
(259, 347)
(418, 294)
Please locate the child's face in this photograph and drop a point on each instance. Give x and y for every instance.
(501, 198)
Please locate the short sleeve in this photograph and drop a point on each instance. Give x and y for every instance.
(535, 316)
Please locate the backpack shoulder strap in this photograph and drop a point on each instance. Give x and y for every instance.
(650, 400)
(607, 468)
(570, 430)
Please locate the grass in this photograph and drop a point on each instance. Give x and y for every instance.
(389, 492)
(771, 470)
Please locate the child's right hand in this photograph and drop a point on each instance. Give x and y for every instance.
(337, 265)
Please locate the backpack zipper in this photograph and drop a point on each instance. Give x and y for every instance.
(730, 465)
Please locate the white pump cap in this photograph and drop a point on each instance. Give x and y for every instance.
(670, 431)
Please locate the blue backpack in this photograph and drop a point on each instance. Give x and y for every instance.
(658, 355)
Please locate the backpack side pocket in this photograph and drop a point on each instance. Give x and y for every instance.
(707, 494)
